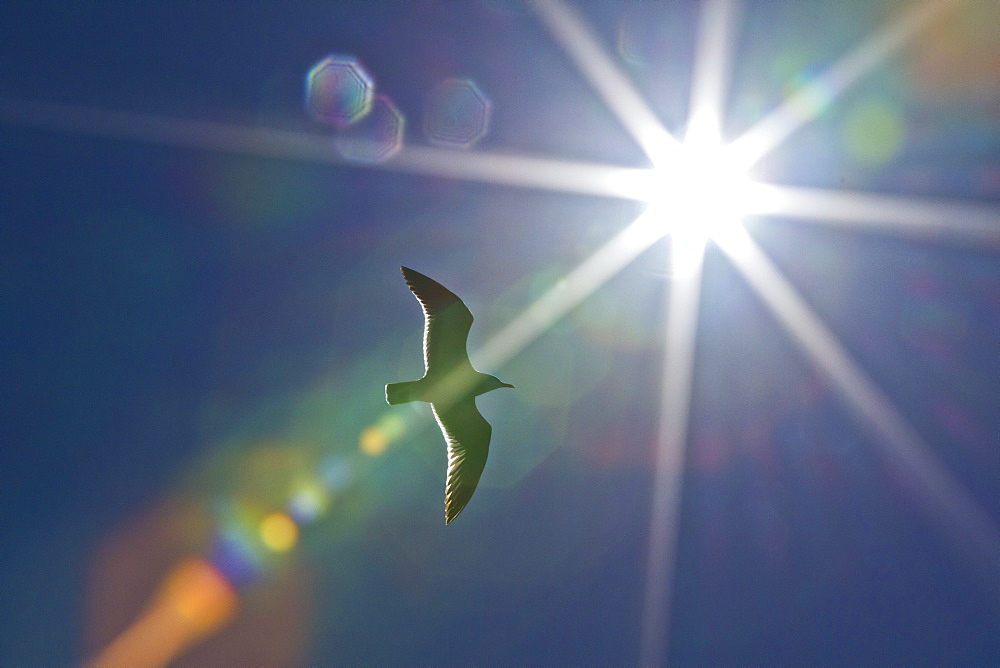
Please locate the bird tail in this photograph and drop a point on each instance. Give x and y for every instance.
(401, 393)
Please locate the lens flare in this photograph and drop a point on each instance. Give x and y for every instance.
(234, 555)
(278, 532)
(376, 137)
(200, 595)
(308, 502)
(339, 91)
(635, 39)
(376, 439)
(874, 132)
(457, 114)
(194, 601)
(336, 472)
(373, 441)
(819, 91)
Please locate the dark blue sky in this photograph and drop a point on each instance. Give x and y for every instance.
(171, 313)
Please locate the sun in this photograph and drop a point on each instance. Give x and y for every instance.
(698, 192)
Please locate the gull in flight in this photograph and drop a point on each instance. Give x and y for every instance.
(450, 385)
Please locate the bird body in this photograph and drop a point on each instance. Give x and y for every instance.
(450, 385)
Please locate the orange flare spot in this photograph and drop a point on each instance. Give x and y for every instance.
(373, 441)
(193, 601)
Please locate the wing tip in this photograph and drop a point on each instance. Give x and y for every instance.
(450, 513)
(413, 278)
(456, 499)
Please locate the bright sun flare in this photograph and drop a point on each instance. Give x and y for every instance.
(700, 191)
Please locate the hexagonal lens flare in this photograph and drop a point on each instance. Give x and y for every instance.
(457, 114)
(339, 91)
(376, 137)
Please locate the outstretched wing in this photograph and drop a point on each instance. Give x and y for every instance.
(468, 435)
(446, 322)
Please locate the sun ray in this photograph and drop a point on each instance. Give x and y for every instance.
(607, 78)
(502, 169)
(711, 71)
(941, 220)
(954, 220)
(526, 172)
(675, 398)
(570, 291)
(942, 496)
(566, 294)
(708, 83)
(805, 104)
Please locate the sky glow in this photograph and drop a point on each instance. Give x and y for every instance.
(697, 193)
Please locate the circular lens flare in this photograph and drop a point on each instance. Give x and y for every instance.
(279, 532)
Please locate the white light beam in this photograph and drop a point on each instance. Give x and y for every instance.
(810, 100)
(576, 286)
(502, 169)
(708, 82)
(668, 474)
(603, 73)
(947, 220)
(947, 503)
(710, 74)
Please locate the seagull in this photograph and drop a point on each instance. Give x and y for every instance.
(450, 385)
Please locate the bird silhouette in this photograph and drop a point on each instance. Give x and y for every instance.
(450, 385)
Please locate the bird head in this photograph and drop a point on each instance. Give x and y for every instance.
(488, 383)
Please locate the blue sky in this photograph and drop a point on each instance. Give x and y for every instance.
(197, 329)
